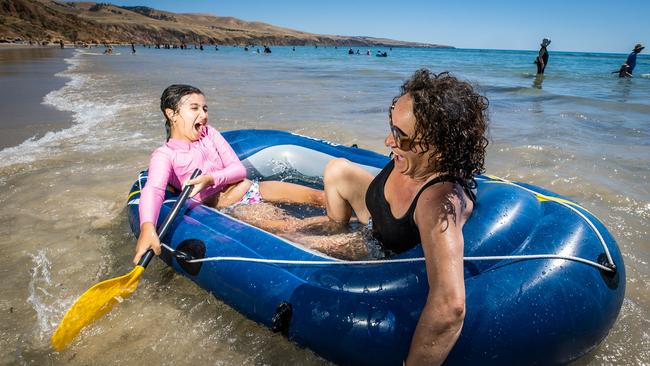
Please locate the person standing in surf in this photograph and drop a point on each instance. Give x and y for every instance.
(542, 58)
(631, 58)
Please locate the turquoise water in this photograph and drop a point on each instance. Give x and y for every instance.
(579, 131)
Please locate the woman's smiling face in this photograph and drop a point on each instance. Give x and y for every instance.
(188, 122)
(408, 155)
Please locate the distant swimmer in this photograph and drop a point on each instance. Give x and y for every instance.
(132, 48)
(542, 59)
(631, 58)
(350, 52)
(108, 51)
(246, 48)
(293, 49)
(381, 54)
(216, 48)
(60, 43)
(267, 49)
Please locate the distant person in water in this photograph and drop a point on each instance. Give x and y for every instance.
(542, 59)
(350, 52)
(61, 43)
(108, 51)
(267, 49)
(631, 58)
(132, 48)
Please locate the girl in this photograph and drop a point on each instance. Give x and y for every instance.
(192, 143)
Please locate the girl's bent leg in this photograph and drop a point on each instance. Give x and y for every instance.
(346, 185)
(283, 192)
(232, 194)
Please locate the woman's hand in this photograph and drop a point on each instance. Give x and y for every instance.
(199, 183)
(148, 239)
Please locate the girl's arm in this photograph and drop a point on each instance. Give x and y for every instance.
(233, 171)
(151, 198)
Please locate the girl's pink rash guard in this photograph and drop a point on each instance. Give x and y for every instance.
(174, 163)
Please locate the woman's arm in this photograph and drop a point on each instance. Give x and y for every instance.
(440, 214)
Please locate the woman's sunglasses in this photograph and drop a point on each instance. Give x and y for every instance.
(402, 141)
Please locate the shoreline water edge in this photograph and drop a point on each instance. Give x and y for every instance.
(578, 131)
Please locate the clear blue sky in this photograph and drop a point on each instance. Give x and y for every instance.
(573, 25)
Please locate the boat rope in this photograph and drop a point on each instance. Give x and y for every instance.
(185, 258)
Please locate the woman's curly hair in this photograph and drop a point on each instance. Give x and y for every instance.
(452, 118)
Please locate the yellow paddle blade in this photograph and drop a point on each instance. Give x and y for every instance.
(95, 302)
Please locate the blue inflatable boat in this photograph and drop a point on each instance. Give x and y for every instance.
(544, 278)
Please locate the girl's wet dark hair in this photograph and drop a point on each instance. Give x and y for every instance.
(171, 97)
(451, 118)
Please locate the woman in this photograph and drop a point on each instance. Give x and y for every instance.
(424, 195)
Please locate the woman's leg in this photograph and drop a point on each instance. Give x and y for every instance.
(346, 185)
(283, 192)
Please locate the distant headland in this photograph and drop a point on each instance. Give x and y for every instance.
(46, 21)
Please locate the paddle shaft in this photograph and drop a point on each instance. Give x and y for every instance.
(146, 258)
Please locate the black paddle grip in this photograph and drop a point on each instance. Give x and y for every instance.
(146, 258)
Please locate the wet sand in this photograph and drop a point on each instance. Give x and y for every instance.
(28, 74)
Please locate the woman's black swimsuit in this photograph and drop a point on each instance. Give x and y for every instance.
(399, 234)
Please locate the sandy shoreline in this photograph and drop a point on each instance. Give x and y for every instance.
(30, 73)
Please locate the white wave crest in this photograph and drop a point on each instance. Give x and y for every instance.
(75, 97)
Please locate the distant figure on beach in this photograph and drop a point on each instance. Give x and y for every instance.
(542, 59)
(267, 49)
(631, 58)
(132, 48)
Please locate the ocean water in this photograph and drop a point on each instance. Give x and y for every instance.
(579, 131)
